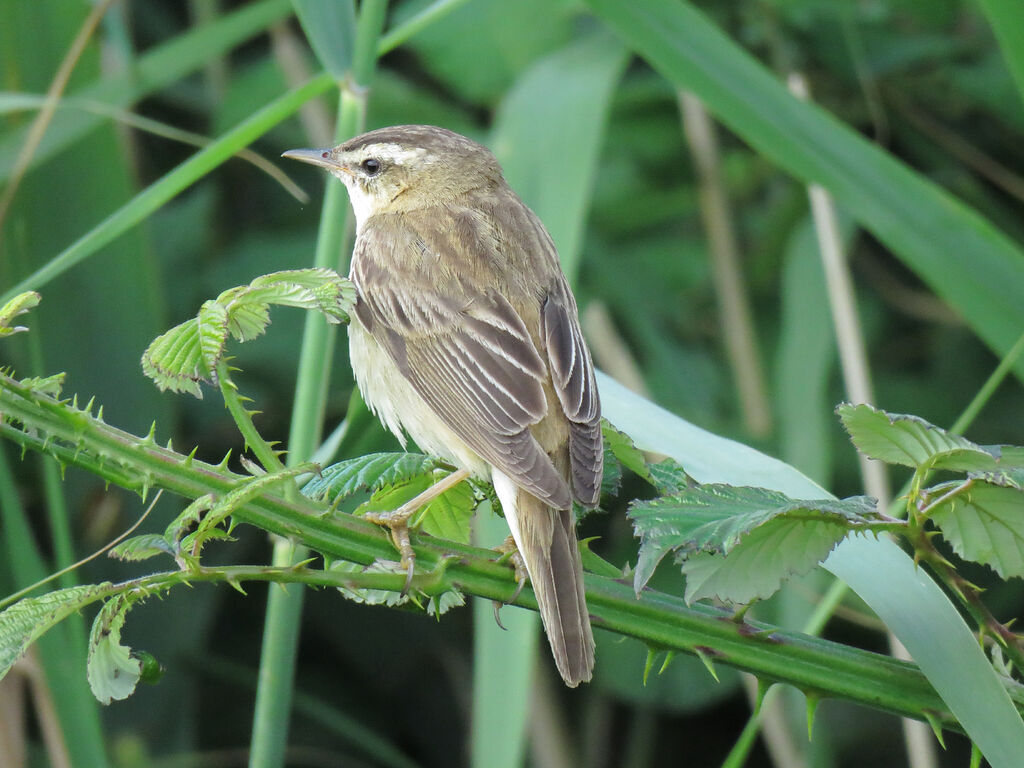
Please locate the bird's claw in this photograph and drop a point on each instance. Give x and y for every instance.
(397, 523)
(509, 550)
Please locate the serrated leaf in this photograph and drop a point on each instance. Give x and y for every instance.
(194, 541)
(19, 305)
(370, 472)
(142, 547)
(758, 537)
(189, 353)
(623, 449)
(248, 321)
(212, 321)
(668, 476)
(370, 596)
(25, 621)
(913, 442)
(1008, 478)
(611, 477)
(438, 605)
(174, 360)
(764, 558)
(449, 515)
(45, 385)
(318, 288)
(188, 517)
(984, 523)
(112, 670)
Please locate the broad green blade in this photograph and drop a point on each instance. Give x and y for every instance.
(1007, 20)
(903, 596)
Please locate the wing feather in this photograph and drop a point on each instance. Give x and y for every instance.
(474, 363)
(572, 374)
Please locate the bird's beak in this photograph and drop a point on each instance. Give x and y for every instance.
(322, 157)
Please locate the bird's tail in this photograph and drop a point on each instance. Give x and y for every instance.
(546, 539)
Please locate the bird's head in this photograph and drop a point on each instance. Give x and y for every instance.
(405, 167)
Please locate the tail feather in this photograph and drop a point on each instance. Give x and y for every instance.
(546, 539)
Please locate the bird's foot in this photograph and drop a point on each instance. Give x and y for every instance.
(509, 551)
(397, 521)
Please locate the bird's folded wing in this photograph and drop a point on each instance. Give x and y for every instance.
(572, 375)
(473, 362)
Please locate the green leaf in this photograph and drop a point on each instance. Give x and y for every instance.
(19, 305)
(142, 547)
(187, 518)
(50, 386)
(1007, 20)
(370, 596)
(669, 477)
(449, 515)
(24, 622)
(438, 605)
(985, 522)
(740, 543)
(330, 27)
(623, 449)
(923, 225)
(370, 472)
(913, 442)
(212, 322)
(112, 670)
(611, 476)
(909, 602)
(174, 360)
(315, 288)
(189, 353)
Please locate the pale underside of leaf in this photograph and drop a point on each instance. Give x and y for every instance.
(985, 523)
(25, 621)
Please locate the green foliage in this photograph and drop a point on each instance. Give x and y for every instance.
(595, 146)
(112, 669)
(367, 473)
(983, 522)
(913, 442)
(738, 544)
(190, 353)
(19, 305)
(24, 622)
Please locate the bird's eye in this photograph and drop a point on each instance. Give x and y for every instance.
(370, 166)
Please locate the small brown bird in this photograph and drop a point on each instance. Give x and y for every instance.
(466, 336)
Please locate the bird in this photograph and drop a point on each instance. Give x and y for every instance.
(466, 338)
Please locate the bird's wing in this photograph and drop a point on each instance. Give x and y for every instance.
(469, 356)
(572, 375)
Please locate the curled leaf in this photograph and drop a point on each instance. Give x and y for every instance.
(19, 305)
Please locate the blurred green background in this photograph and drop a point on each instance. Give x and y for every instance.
(594, 140)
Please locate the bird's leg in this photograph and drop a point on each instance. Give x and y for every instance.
(510, 551)
(397, 521)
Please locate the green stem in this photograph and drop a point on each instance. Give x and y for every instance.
(243, 420)
(818, 666)
(417, 23)
(162, 191)
(284, 607)
(978, 402)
